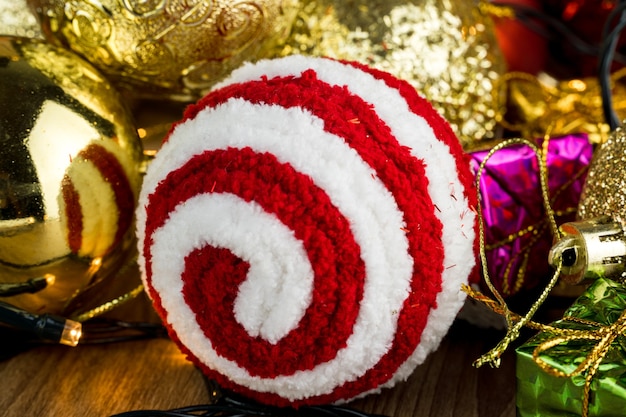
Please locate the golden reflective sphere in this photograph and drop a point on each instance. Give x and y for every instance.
(69, 173)
(604, 193)
(446, 49)
(174, 48)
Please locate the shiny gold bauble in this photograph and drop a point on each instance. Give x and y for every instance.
(604, 193)
(69, 173)
(173, 48)
(445, 48)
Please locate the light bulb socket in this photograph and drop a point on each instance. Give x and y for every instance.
(58, 329)
(72, 332)
(46, 326)
(590, 249)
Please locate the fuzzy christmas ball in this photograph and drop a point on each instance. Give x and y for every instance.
(305, 229)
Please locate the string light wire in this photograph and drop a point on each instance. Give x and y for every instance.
(606, 59)
(33, 285)
(223, 405)
(47, 327)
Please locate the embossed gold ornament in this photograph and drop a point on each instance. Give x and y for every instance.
(173, 48)
(69, 173)
(446, 49)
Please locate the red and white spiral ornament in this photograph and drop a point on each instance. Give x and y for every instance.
(305, 229)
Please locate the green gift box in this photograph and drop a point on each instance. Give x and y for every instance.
(540, 393)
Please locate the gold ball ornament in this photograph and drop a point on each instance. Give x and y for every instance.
(173, 49)
(69, 173)
(604, 193)
(446, 49)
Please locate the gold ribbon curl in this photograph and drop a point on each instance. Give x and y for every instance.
(604, 335)
(514, 322)
(535, 231)
(109, 305)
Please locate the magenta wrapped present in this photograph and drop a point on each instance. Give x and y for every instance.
(517, 232)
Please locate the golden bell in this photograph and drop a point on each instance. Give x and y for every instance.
(69, 173)
(158, 48)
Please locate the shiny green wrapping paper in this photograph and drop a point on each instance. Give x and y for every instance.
(542, 394)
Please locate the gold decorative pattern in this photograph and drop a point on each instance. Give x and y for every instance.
(445, 48)
(176, 49)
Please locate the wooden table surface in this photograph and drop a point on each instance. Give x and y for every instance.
(105, 379)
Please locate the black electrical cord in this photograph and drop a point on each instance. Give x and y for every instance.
(610, 20)
(8, 289)
(226, 408)
(606, 51)
(46, 327)
(28, 329)
(223, 404)
(606, 58)
(23, 326)
(103, 330)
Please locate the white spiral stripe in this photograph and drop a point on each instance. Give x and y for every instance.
(278, 287)
(444, 186)
(297, 137)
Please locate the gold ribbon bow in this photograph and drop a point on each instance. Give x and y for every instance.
(603, 335)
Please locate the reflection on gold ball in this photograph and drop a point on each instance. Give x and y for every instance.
(446, 49)
(69, 172)
(175, 48)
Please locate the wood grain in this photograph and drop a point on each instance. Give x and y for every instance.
(448, 385)
(101, 380)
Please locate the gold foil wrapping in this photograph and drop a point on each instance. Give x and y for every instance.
(445, 48)
(173, 48)
(54, 106)
(540, 105)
